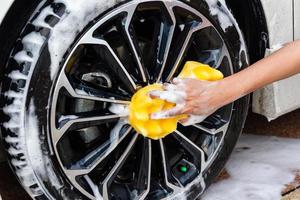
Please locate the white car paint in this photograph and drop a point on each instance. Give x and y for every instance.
(297, 19)
(277, 98)
(4, 7)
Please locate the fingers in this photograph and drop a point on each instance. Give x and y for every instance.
(181, 81)
(187, 81)
(177, 81)
(170, 94)
(193, 119)
(172, 97)
(170, 87)
(165, 114)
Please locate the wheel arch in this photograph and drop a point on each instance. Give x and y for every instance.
(251, 18)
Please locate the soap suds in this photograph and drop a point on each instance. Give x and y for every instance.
(182, 195)
(32, 44)
(94, 188)
(39, 162)
(83, 93)
(119, 109)
(193, 119)
(115, 133)
(175, 94)
(62, 35)
(67, 117)
(259, 169)
(77, 16)
(216, 10)
(226, 20)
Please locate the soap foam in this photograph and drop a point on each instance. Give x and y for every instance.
(94, 188)
(77, 16)
(216, 10)
(259, 169)
(119, 109)
(62, 35)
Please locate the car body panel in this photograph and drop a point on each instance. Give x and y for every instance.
(283, 21)
(279, 17)
(4, 7)
(277, 99)
(297, 19)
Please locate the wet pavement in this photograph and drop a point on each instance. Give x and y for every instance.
(259, 169)
(286, 126)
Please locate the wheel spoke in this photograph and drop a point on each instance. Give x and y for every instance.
(93, 187)
(145, 169)
(89, 39)
(224, 52)
(98, 155)
(213, 132)
(166, 37)
(112, 174)
(73, 122)
(175, 188)
(182, 45)
(192, 147)
(88, 93)
(132, 44)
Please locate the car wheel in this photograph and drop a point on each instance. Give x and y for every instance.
(68, 82)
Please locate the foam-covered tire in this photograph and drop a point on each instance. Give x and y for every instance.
(31, 60)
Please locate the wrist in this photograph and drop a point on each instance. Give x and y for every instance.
(231, 89)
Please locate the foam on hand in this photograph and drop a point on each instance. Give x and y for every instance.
(142, 106)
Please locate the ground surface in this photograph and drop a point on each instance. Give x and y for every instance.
(287, 126)
(259, 169)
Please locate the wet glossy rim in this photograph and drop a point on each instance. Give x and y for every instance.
(157, 172)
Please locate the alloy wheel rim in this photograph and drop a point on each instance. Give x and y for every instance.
(87, 98)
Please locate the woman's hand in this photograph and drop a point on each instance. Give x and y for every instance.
(202, 98)
(196, 98)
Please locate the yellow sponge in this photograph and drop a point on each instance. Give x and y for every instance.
(142, 105)
(200, 71)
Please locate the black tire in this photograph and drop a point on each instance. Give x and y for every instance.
(27, 89)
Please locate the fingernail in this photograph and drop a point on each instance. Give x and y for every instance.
(153, 93)
(154, 116)
(177, 80)
(158, 115)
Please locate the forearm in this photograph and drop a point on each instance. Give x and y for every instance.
(278, 66)
(202, 98)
